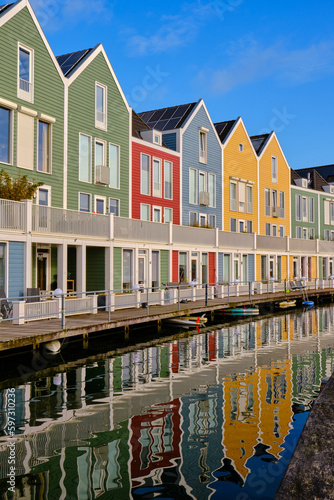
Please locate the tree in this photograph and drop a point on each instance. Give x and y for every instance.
(17, 189)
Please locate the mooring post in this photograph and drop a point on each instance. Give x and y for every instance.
(109, 305)
(126, 332)
(249, 290)
(63, 311)
(206, 294)
(147, 306)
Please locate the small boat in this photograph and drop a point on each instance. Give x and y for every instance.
(308, 303)
(286, 303)
(241, 311)
(188, 321)
(53, 347)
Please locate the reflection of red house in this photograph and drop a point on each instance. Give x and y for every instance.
(175, 357)
(212, 345)
(155, 440)
(161, 201)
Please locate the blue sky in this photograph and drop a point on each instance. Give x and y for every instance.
(272, 63)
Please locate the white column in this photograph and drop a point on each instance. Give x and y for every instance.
(81, 268)
(27, 247)
(109, 275)
(62, 267)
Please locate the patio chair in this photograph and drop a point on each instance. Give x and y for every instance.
(6, 307)
(33, 295)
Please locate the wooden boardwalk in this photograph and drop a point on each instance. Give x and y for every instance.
(37, 332)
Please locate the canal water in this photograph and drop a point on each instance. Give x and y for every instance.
(214, 414)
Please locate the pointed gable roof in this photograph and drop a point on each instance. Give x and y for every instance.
(258, 142)
(167, 118)
(224, 128)
(68, 62)
(137, 125)
(326, 172)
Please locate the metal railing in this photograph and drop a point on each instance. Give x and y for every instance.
(12, 215)
(61, 305)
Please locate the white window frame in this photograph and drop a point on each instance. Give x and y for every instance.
(49, 172)
(205, 218)
(249, 205)
(90, 202)
(234, 201)
(326, 234)
(326, 212)
(215, 220)
(250, 223)
(10, 131)
(90, 157)
(282, 205)
(118, 166)
(45, 188)
(149, 211)
(298, 232)
(267, 208)
(159, 209)
(104, 199)
(241, 223)
(304, 233)
(274, 172)
(274, 230)
(203, 174)
(196, 217)
(311, 233)
(102, 125)
(100, 141)
(171, 211)
(304, 209)
(195, 187)
(242, 201)
(171, 182)
(298, 207)
(311, 208)
(281, 231)
(23, 94)
(331, 211)
(119, 205)
(203, 152)
(157, 193)
(157, 138)
(149, 174)
(214, 189)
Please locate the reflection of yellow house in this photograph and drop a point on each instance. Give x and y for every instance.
(257, 409)
(240, 177)
(275, 391)
(241, 420)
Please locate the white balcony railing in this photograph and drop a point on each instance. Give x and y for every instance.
(12, 215)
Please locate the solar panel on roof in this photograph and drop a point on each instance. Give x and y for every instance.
(171, 123)
(180, 111)
(169, 112)
(4, 7)
(157, 115)
(146, 116)
(68, 61)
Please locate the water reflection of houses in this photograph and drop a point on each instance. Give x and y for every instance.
(114, 425)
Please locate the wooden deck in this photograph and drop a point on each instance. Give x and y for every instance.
(37, 332)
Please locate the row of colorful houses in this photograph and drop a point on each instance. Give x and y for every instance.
(65, 122)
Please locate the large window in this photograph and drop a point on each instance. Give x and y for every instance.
(85, 202)
(85, 158)
(212, 189)
(156, 214)
(233, 225)
(145, 174)
(274, 169)
(202, 181)
(100, 106)
(249, 194)
(25, 74)
(267, 202)
(99, 153)
(326, 212)
(212, 220)
(157, 184)
(5, 140)
(155, 269)
(267, 229)
(332, 213)
(233, 196)
(249, 226)
(193, 218)
(242, 196)
(44, 147)
(168, 180)
(114, 206)
(192, 186)
(25, 141)
(114, 165)
(304, 205)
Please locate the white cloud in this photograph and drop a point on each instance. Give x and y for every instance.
(253, 63)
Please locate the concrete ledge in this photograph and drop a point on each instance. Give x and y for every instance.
(310, 473)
